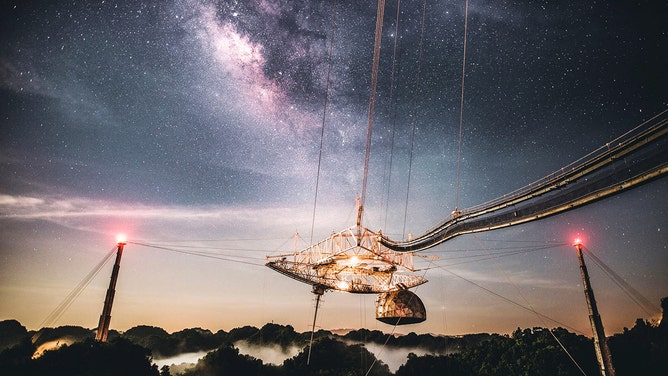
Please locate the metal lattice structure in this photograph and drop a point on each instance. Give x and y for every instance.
(352, 260)
(399, 308)
(637, 157)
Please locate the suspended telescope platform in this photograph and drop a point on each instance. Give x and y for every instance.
(353, 260)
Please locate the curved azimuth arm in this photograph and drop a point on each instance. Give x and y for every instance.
(635, 158)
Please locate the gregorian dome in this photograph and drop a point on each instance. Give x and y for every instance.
(399, 308)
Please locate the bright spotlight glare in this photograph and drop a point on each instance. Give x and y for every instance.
(343, 285)
(121, 239)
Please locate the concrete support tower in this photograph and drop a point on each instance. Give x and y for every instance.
(105, 317)
(600, 343)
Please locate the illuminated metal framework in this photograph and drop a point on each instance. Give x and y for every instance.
(352, 260)
(399, 308)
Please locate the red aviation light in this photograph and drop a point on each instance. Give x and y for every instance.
(121, 239)
(577, 242)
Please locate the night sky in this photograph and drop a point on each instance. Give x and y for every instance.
(195, 126)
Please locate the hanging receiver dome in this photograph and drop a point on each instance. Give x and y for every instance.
(399, 308)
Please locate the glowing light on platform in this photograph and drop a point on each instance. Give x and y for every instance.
(343, 285)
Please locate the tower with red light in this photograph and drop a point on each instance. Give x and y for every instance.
(105, 317)
(603, 355)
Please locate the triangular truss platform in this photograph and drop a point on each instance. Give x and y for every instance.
(352, 260)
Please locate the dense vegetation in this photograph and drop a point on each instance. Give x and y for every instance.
(642, 349)
(117, 357)
(526, 352)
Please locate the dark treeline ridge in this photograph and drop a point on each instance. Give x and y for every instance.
(163, 344)
(643, 349)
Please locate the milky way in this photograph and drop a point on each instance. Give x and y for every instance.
(200, 122)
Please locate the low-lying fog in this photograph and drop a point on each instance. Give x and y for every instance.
(274, 354)
(190, 358)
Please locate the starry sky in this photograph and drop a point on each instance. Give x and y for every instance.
(195, 127)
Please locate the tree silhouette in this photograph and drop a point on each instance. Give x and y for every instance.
(118, 357)
(17, 359)
(227, 361)
(642, 350)
(432, 365)
(330, 357)
(11, 333)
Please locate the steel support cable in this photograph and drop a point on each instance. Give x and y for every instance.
(204, 250)
(492, 256)
(520, 247)
(324, 114)
(509, 252)
(213, 254)
(210, 240)
(53, 317)
(472, 260)
(200, 254)
(516, 241)
(180, 244)
(461, 107)
(639, 299)
(481, 257)
(211, 250)
(393, 105)
(225, 257)
(363, 324)
(511, 301)
(372, 101)
(533, 310)
(413, 121)
(318, 297)
(641, 158)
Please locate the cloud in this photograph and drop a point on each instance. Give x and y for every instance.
(24, 207)
(395, 357)
(52, 345)
(518, 278)
(188, 358)
(268, 353)
(164, 220)
(19, 201)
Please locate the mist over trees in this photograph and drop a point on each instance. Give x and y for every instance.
(117, 357)
(72, 350)
(227, 360)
